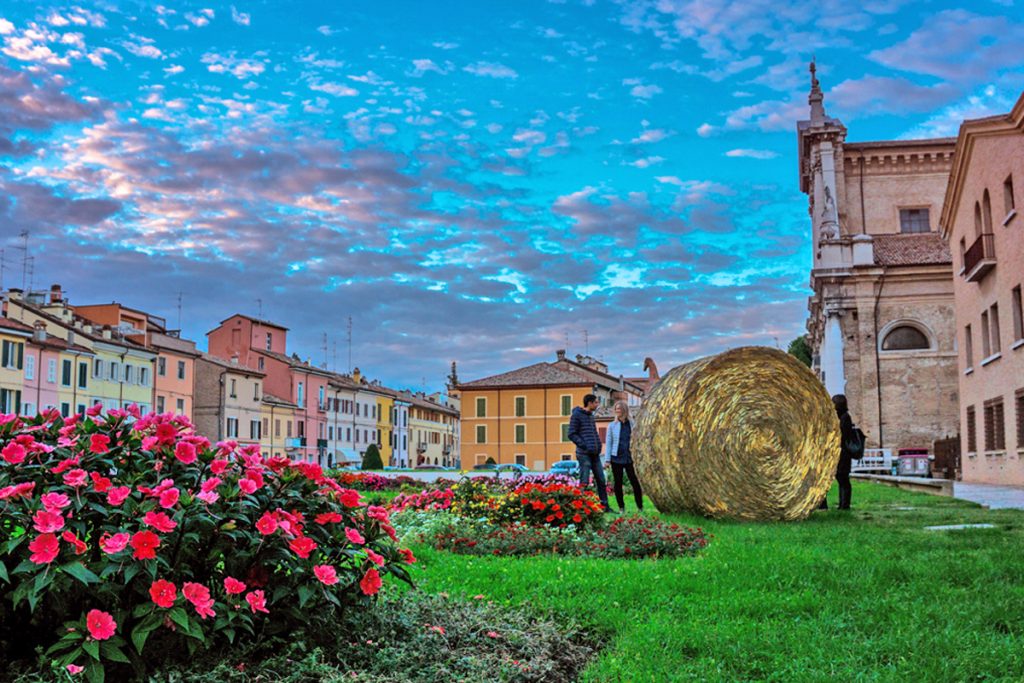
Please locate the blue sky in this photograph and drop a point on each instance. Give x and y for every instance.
(470, 181)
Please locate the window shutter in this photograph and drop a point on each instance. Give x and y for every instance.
(21, 356)
(6, 354)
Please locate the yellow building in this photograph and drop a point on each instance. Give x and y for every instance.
(385, 403)
(277, 416)
(521, 416)
(13, 336)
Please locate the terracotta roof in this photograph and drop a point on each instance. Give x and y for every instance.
(96, 337)
(301, 364)
(237, 367)
(610, 380)
(423, 402)
(538, 374)
(62, 344)
(255, 320)
(270, 398)
(925, 248)
(14, 325)
(921, 142)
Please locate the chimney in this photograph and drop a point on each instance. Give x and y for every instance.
(560, 354)
(106, 331)
(579, 358)
(71, 336)
(56, 295)
(14, 294)
(357, 376)
(234, 359)
(39, 333)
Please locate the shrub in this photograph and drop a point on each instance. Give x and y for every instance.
(559, 505)
(425, 500)
(114, 529)
(372, 459)
(490, 461)
(645, 537)
(473, 499)
(509, 539)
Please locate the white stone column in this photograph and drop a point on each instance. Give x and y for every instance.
(832, 355)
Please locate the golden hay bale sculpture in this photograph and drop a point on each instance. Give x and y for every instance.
(748, 434)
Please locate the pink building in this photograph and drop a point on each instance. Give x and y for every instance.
(261, 344)
(980, 222)
(43, 355)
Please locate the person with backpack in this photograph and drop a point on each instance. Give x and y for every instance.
(851, 447)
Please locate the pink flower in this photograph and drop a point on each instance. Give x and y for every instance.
(371, 583)
(100, 624)
(45, 549)
(257, 603)
(354, 536)
(145, 544)
(99, 443)
(210, 484)
(99, 482)
(267, 524)
(407, 555)
(436, 629)
(199, 596)
(350, 498)
(247, 485)
(114, 544)
(219, 465)
(76, 477)
(14, 453)
(208, 497)
(376, 558)
(159, 521)
(303, 546)
(79, 545)
(327, 574)
(118, 494)
(493, 634)
(94, 410)
(163, 593)
(74, 669)
(45, 521)
(17, 490)
(185, 452)
(169, 498)
(55, 501)
(233, 586)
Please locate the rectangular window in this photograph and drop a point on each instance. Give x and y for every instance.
(234, 388)
(256, 391)
(986, 344)
(323, 406)
(963, 254)
(83, 375)
(968, 347)
(10, 401)
(115, 372)
(520, 433)
(348, 434)
(1018, 315)
(181, 369)
(30, 367)
(129, 374)
(161, 366)
(270, 340)
(520, 406)
(567, 405)
(1008, 203)
(65, 373)
(254, 430)
(265, 429)
(288, 428)
(914, 220)
(144, 376)
(81, 409)
(160, 404)
(277, 427)
(301, 427)
(995, 425)
(993, 321)
(13, 355)
(97, 369)
(565, 432)
(65, 410)
(481, 407)
(28, 410)
(301, 400)
(260, 363)
(481, 433)
(51, 371)
(521, 459)
(232, 428)
(179, 405)
(1018, 400)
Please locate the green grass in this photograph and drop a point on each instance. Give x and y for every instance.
(867, 595)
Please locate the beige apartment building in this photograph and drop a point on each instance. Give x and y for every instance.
(980, 221)
(228, 400)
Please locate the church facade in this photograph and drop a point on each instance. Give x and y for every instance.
(881, 321)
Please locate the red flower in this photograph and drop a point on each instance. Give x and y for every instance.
(219, 465)
(354, 536)
(45, 521)
(165, 433)
(407, 554)
(100, 624)
(45, 549)
(94, 410)
(14, 453)
(163, 593)
(257, 603)
(329, 518)
(576, 518)
(247, 486)
(159, 521)
(370, 582)
(303, 546)
(99, 443)
(145, 544)
(199, 596)
(114, 544)
(267, 524)
(17, 490)
(350, 498)
(118, 494)
(233, 586)
(99, 482)
(80, 546)
(169, 498)
(185, 452)
(327, 574)
(376, 558)
(76, 477)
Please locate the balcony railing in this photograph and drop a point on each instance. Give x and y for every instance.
(980, 258)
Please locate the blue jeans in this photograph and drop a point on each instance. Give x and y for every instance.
(590, 463)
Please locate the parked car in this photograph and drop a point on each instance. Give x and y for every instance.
(516, 469)
(486, 466)
(569, 468)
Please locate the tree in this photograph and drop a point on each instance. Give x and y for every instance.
(371, 458)
(490, 461)
(799, 348)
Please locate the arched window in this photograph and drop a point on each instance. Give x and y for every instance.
(986, 211)
(977, 220)
(905, 338)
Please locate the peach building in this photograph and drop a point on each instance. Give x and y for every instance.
(980, 222)
(45, 357)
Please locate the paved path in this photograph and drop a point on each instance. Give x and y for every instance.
(994, 497)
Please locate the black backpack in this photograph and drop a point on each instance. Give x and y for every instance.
(854, 446)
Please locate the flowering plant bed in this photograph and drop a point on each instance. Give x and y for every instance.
(559, 505)
(119, 532)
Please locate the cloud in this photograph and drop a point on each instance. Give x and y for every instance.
(752, 153)
(240, 18)
(422, 66)
(651, 135)
(946, 122)
(491, 70)
(705, 130)
(336, 89)
(640, 90)
(238, 67)
(143, 48)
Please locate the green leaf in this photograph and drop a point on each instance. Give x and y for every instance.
(230, 633)
(139, 637)
(142, 610)
(179, 617)
(305, 593)
(3, 572)
(93, 648)
(94, 672)
(113, 653)
(80, 572)
(25, 566)
(131, 571)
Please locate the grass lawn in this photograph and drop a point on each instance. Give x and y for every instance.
(867, 595)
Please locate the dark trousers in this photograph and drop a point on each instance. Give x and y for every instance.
(845, 489)
(638, 494)
(592, 463)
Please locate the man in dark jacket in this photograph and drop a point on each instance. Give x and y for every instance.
(583, 433)
(845, 459)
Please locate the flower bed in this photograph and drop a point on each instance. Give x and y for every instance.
(130, 528)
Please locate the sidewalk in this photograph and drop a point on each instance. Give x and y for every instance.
(991, 496)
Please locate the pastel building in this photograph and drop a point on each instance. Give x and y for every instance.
(48, 363)
(981, 222)
(13, 338)
(228, 400)
(278, 417)
(341, 406)
(400, 431)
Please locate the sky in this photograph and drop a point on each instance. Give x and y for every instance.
(481, 182)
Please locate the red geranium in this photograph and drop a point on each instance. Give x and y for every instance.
(407, 555)
(199, 596)
(185, 452)
(163, 593)
(145, 544)
(14, 453)
(354, 536)
(76, 477)
(79, 545)
(45, 548)
(55, 501)
(326, 573)
(257, 602)
(169, 498)
(370, 583)
(114, 544)
(267, 524)
(303, 546)
(233, 586)
(100, 624)
(329, 518)
(99, 482)
(45, 521)
(159, 521)
(118, 494)
(99, 443)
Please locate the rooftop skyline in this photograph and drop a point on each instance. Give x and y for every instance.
(479, 184)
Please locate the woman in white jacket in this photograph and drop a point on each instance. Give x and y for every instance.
(617, 446)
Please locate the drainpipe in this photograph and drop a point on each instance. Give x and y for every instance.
(878, 364)
(863, 217)
(221, 410)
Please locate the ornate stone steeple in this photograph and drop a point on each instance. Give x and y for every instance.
(816, 98)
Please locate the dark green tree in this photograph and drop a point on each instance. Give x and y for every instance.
(490, 461)
(371, 458)
(799, 348)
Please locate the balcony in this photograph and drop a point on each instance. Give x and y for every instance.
(980, 258)
(421, 447)
(299, 442)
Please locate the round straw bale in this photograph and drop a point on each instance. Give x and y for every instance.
(748, 434)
